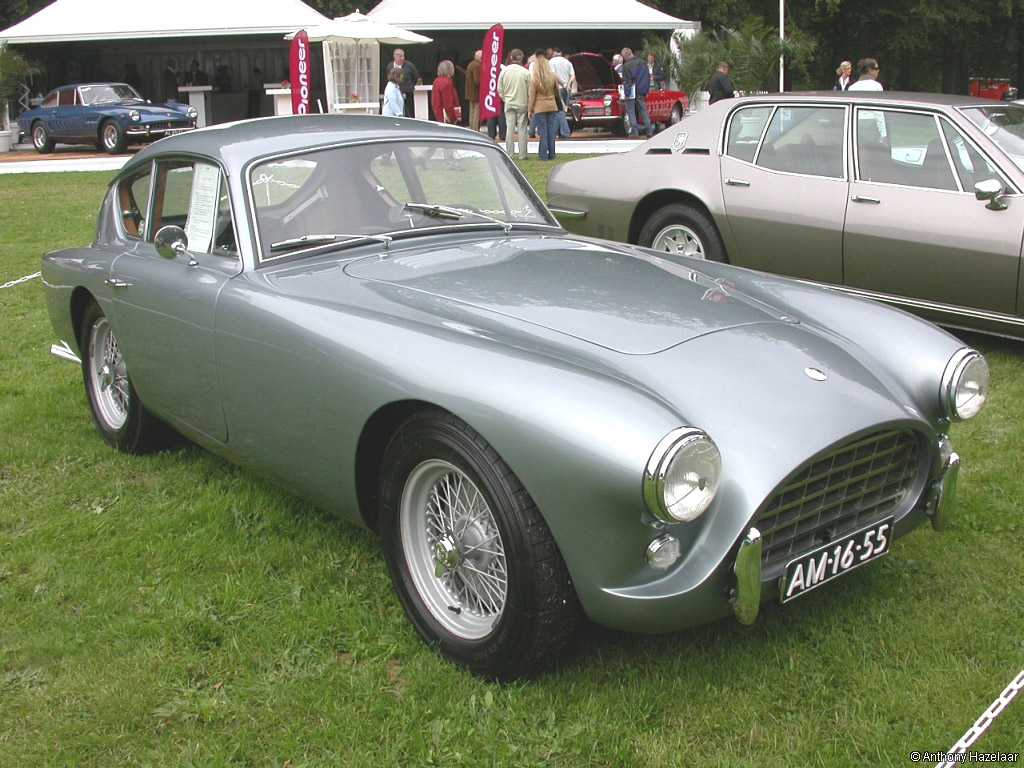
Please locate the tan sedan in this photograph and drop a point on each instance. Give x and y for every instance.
(911, 199)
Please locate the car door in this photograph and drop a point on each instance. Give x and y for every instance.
(784, 182)
(914, 228)
(62, 113)
(164, 304)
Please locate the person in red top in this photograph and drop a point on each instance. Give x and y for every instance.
(444, 98)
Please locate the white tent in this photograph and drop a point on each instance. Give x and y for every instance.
(82, 20)
(526, 14)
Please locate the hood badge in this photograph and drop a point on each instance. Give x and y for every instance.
(815, 373)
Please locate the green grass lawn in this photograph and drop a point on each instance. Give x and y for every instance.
(173, 610)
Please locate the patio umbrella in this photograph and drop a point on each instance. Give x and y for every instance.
(358, 28)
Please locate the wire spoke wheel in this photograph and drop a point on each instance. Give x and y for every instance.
(109, 375)
(110, 136)
(453, 549)
(679, 239)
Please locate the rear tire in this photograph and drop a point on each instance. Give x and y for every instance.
(41, 139)
(446, 548)
(683, 230)
(118, 413)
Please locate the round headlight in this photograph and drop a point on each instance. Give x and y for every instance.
(965, 385)
(682, 476)
(134, 115)
(193, 112)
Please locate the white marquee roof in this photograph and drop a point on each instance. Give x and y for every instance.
(525, 14)
(77, 20)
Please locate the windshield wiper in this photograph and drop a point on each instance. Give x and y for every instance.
(449, 212)
(310, 240)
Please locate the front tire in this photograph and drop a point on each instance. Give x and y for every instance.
(473, 562)
(112, 137)
(683, 230)
(117, 411)
(41, 139)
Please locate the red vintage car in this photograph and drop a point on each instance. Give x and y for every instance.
(598, 101)
(999, 89)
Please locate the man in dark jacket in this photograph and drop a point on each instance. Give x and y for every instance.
(720, 84)
(410, 79)
(636, 84)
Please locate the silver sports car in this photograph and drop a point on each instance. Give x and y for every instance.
(382, 315)
(874, 193)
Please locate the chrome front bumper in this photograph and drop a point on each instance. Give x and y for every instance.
(745, 596)
(143, 130)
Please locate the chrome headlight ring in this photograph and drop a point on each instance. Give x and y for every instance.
(682, 475)
(963, 390)
(134, 116)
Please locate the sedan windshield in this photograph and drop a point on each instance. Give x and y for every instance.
(105, 94)
(349, 195)
(1004, 124)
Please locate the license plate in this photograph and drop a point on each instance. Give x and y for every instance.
(832, 560)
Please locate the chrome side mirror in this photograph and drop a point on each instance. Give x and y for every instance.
(993, 191)
(170, 241)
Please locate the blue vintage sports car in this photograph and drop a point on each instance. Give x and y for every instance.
(109, 115)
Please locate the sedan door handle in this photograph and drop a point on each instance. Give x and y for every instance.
(116, 282)
(737, 183)
(863, 199)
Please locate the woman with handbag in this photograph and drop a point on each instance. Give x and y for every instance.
(543, 103)
(444, 98)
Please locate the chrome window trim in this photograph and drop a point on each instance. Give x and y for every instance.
(962, 111)
(658, 464)
(117, 212)
(775, 107)
(908, 110)
(949, 155)
(1002, 174)
(151, 201)
(723, 140)
(249, 166)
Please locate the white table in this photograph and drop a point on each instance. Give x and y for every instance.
(282, 95)
(198, 97)
(356, 108)
(421, 102)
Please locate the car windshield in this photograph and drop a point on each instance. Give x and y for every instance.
(393, 189)
(1004, 124)
(105, 94)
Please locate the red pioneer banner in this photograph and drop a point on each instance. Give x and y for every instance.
(299, 71)
(490, 68)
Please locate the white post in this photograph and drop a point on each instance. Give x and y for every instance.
(782, 38)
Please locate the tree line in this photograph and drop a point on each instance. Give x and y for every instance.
(922, 45)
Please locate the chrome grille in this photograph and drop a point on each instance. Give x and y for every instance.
(856, 484)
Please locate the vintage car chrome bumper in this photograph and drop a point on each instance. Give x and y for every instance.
(145, 130)
(939, 504)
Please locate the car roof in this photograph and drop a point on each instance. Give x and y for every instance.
(234, 144)
(891, 98)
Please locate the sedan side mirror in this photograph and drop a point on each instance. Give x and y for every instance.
(170, 241)
(993, 191)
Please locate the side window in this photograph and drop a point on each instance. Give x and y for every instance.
(745, 129)
(807, 140)
(191, 195)
(51, 99)
(133, 200)
(969, 163)
(67, 97)
(902, 148)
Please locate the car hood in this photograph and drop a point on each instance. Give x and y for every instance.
(150, 111)
(628, 300)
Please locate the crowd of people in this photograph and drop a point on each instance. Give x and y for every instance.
(536, 95)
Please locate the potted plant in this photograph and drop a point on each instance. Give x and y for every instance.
(13, 71)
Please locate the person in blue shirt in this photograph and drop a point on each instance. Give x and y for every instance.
(636, 84)
(394, 101)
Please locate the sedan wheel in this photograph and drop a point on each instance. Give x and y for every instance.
(119, 415)
(679, 239)
(472, 560)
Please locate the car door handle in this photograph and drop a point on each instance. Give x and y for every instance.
(116, 282)
(737, 183)
(863, 199)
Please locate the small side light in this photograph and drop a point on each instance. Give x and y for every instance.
(663, 552)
